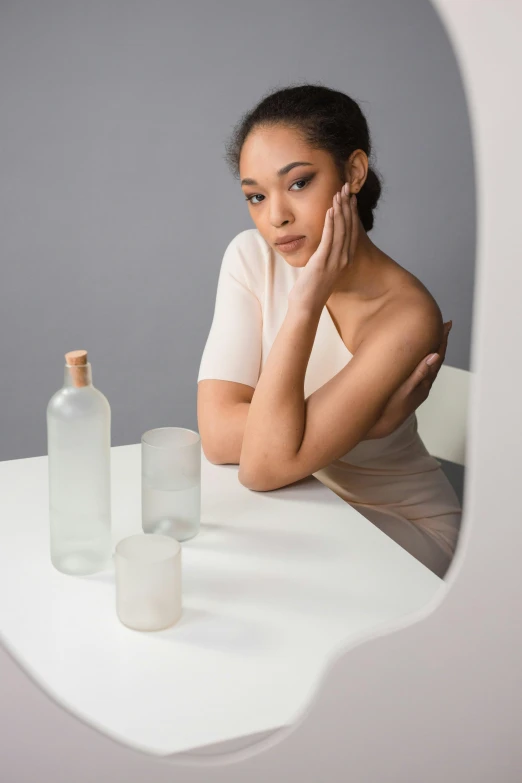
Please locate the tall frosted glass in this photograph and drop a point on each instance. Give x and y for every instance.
(171, 482)
(78, 446)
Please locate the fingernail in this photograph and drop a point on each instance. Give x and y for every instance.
(432, 358)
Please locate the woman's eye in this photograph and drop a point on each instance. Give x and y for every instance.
(306, 180)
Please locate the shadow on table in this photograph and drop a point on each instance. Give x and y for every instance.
(221, 633)
(266, 542)
(292, 491)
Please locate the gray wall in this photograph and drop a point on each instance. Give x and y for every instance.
(116, 204)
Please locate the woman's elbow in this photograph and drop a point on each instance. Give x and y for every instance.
(213, 454)
(254, 479)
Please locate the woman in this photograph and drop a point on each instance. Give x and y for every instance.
(316, 342)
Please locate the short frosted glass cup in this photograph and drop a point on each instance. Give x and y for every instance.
(171, 482)
(148, 581)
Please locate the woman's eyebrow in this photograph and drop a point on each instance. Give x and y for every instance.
(280, 173)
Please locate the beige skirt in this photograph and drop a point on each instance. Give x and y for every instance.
(404, 492)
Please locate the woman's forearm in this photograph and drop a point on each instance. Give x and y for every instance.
(276, 419)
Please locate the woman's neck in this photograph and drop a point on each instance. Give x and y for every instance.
(363, 273)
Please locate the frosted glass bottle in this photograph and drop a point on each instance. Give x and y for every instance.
(78, 446)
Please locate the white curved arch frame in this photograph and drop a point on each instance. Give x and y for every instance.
(438, 697)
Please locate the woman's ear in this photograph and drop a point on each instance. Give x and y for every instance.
(357, 170)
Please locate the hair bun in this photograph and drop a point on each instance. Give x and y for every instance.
(368, 197)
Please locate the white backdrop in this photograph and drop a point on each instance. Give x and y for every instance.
(438, 698)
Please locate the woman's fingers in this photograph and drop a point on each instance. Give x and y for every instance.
(437, 359)
(325, 245)
(339, 226)
(422, 376)
(423, 373)
(354, 226)
(444, 343)
(346, 209)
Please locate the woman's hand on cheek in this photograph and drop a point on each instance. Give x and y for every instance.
(317, 279)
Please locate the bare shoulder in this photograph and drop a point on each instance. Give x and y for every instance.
(406, 310)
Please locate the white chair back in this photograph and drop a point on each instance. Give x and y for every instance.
(442, 418)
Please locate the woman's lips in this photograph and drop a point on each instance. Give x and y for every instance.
(289, 247)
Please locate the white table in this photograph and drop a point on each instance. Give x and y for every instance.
(273, 585)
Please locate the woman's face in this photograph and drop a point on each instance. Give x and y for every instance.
(292, 202)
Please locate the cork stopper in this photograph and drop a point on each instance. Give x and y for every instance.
(79, 371)
(76, 357)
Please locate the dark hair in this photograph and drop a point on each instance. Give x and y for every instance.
(327, 120)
